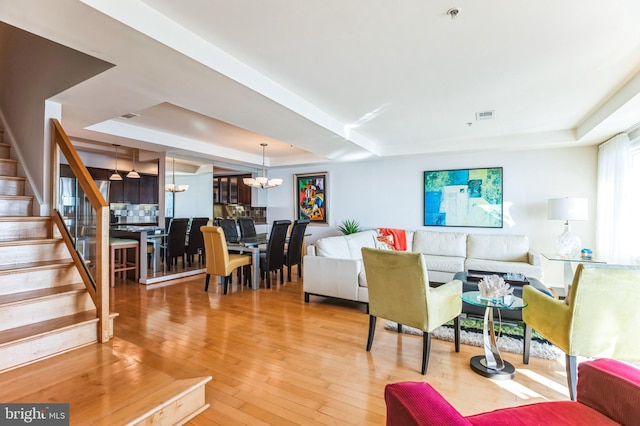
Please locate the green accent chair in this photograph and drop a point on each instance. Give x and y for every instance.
(399, 291)
(599, 318)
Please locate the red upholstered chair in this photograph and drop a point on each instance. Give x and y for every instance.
(608, 394)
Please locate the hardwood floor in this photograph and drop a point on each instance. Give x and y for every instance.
(276, 360)
(273, 359)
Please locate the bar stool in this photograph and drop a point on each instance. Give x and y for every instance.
(119, 249)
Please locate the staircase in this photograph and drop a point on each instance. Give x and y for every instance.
(44, 306)
(47, 316)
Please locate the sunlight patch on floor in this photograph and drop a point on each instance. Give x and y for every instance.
(551, 384)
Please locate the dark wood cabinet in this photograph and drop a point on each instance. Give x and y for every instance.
(127, 190)
(131, 190)
(116, 191)
(148, 189)
(231, 190)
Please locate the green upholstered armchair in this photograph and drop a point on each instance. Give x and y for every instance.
(599, 319)
(399, 291)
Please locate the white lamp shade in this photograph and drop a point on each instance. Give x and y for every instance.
(567, 209)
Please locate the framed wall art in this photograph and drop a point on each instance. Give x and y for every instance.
(311, 197)
(463, 197)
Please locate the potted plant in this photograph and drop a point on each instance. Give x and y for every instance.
(349, 227)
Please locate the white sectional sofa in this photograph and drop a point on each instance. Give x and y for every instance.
(333, 265)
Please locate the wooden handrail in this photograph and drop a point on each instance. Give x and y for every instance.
(99, 204)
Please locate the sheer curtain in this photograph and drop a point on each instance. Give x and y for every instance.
(614, 239)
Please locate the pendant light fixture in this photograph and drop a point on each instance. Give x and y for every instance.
(133, 174)
(262, 181)
(172, 187)
(116, 175)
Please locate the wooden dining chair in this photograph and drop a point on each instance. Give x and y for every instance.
(273, 259)
(293, 253)
(219, 261)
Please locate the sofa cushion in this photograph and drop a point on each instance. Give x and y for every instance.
(440, 243)
(553, 413)
(355, 242)
(508, 248)
(444, 263)
(346, 246)
(333, 247)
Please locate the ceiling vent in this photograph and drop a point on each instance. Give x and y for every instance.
(130, 115)
(485, 115)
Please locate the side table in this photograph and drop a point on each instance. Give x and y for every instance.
(492, 365)
(568, 270)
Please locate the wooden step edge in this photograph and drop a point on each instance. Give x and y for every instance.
(192, 385)
(16, 197)
(35, 266)
(31, 241)
(7, 160)
(15, 299)
(16, 178)
(27, 219)
(34, 331)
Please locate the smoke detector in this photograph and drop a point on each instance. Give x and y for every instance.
(130, 115)
(485, 115)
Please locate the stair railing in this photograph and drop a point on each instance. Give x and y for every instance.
(92, 257)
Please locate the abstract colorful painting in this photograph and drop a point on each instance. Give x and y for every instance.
(464, 197)
(311, 197)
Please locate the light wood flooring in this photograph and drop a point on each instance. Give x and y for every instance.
(276, 360)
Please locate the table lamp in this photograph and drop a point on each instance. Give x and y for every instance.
(567, 209)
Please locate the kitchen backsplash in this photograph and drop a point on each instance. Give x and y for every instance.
(134, 213)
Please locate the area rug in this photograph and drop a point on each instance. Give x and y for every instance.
(510, 339)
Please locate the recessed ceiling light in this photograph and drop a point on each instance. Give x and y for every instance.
(130, 115)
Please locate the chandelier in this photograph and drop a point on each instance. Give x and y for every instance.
(172, 187)
(262, 181)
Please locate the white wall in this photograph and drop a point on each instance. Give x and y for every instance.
(197, 201)
(389, 193)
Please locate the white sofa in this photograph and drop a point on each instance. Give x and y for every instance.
(333, 265)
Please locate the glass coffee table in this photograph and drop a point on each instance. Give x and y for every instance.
(491, 364)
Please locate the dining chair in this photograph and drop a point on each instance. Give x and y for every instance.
(273, 259)
(293, 253)
(219, 261)
(195, 241)
(230, 228)
(399, 291)
(176, 238)
(247, 227)
(598, 319)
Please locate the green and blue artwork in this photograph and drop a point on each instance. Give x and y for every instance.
(463, 197)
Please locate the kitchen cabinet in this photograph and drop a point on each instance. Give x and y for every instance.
(148, 189)
(231, 190)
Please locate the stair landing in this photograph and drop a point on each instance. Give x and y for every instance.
(117, 383)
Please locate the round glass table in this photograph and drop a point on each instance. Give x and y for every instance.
(491, 364)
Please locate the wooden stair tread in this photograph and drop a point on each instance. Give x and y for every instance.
(18, 178)
(40, 328)
(45, 264)
(42, 293)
